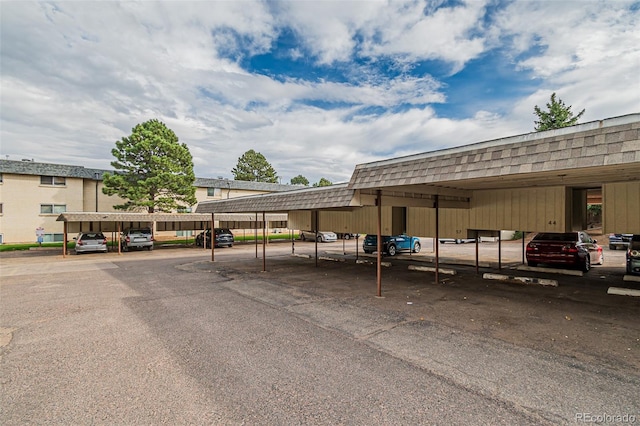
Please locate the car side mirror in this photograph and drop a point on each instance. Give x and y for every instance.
(595, 241)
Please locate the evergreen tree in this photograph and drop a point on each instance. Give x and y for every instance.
(152, 170)
(254, 167)
(558, 115)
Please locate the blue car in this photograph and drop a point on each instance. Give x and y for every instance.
(391, 245)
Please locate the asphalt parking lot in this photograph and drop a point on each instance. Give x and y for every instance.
(170, 337)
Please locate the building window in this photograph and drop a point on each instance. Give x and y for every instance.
(53, 238)
(184, 209)
(1, 211)
(0, 177)
(52, 208)
(213, 192)
(53, 180)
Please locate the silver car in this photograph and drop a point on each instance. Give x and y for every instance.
(136, 238)
(87, 242)
(321, 236)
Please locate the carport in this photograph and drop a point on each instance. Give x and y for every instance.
(75, 222)
(532, 183)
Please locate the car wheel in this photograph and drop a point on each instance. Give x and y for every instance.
(368, 251)
(391, 250)
(301, 237)
(532, 264)
(587, 264)
(416, 247)
(612, 247)
(319, 238)
(347, 236)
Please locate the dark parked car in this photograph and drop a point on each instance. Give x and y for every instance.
(391, 244)
(633, 256)
(90, 242)
(617, 241)
(136, 238)
(224, 238)
(573, 249)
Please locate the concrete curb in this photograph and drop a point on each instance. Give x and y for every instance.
(305, 256)
(521, 280)
(633, 278)
(368, 262)
(624, 291)
(431, 269)
(551, 270)
(333, 259)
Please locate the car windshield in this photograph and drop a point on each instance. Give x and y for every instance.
(140, 231)
(568, 236)
(92, 236)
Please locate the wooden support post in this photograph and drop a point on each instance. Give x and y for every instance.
(437, 237)
(213, 237)
(379, 243)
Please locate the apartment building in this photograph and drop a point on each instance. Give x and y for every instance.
(33, 194)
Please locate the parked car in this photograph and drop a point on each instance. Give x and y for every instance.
(224, 238)
(321, 237)
(347, 236)
(573, 249)
(456, 240)
(392, 244)
(87, 242)
(136, 238)
(633, 256)
(617, 241)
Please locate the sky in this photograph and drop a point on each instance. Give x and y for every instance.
(317, 87)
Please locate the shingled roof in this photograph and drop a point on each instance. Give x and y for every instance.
(48, 169)
(612, 142)
(327, 197)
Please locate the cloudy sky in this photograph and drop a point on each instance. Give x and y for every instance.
(315, 86)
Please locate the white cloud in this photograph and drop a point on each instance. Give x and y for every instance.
(76, 77)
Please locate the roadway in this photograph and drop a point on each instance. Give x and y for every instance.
(167, 337)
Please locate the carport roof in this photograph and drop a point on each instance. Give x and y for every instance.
(327, 197)
(158, 217)
(582, 155)
(585, 155)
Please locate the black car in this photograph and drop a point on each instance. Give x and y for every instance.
(633, 256)
(224, 238)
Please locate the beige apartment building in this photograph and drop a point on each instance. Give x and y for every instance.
(32, 196)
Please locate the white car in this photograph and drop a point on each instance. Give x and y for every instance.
(321, 237)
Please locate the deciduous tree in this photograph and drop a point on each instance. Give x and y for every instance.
(323, 182)
(152, 170)
(300, 180)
